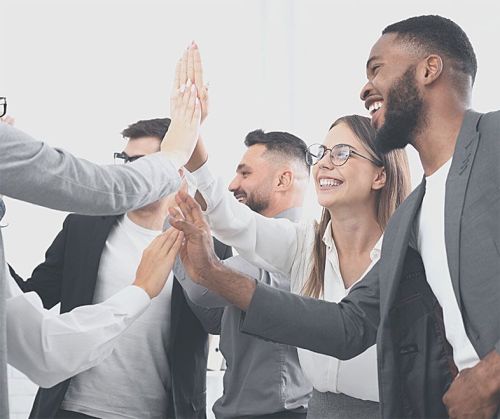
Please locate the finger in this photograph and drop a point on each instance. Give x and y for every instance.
(194, 209)
(175, 213)
(190, 64)
(193, 100)
(197, 111)
(175, 246)
(186, 96)
(169, 237)
(183, 69)
(198, 67)
(186, 210)
(186, 227)
(177, 79)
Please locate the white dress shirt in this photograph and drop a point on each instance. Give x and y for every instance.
(50, 347)
(432, 248)
(283, 246)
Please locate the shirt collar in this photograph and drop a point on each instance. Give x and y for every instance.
(292, 214)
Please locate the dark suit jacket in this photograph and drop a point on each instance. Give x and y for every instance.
(394, 306)
(69, 276)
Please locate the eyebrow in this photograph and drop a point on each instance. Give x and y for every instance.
(242, 166)
(371, 59)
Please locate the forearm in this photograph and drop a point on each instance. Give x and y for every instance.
(34, 172)
(233, 286)
(199, 156)
(50, 348)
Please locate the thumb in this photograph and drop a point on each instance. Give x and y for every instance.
(187, 228)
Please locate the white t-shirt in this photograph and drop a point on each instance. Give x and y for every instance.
(432, 247)
(133, 381)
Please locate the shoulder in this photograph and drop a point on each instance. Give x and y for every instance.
(490, 123)
(86, 221)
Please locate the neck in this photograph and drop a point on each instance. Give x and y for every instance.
(280, 204)
(436, 143)
(151, 219)
(355, 231)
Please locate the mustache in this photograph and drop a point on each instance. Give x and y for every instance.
(239, 192)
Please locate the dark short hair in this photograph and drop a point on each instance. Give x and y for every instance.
(439, 35)
(282, 143)
(157, 127)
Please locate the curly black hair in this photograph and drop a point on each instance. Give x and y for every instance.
(438, 35)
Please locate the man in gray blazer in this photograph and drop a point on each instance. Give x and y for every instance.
(32, 171)
(432, 303)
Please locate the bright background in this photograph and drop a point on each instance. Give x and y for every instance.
(76, 73)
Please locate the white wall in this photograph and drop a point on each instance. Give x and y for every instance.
(76, 73)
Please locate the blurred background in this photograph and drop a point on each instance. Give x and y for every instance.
(76, 73)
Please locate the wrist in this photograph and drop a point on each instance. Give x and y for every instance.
(144, 286)
(490, 366)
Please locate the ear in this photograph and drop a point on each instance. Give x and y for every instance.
(430, 69)
(380, 179)
(284, 180)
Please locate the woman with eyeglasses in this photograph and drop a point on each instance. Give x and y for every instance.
(359, 190)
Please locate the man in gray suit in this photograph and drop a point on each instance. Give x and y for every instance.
(432, 302)
(32, 171)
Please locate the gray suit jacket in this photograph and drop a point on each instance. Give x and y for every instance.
(393, 306)
(32, 171)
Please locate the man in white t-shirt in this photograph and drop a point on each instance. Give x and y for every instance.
(158, 366)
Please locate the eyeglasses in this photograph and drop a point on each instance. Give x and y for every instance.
(3, 106)
(339, 154)
(122, 157)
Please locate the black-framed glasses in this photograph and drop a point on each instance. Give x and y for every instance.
(3, 106)
(122, 157)
(339, 154)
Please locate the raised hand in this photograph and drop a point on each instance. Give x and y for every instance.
(181, 137)
(157, 261)
(196, 253)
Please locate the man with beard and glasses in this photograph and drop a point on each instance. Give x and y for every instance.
(262, 379)
(431, 302)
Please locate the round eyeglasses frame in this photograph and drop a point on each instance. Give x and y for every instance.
(351, 152)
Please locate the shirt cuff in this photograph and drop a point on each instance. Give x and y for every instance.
(132, 301)
(203, 176)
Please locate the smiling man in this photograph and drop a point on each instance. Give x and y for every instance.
(431, 303)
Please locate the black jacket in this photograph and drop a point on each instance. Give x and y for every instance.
(68, 276)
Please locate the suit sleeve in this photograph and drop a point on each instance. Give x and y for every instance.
(34, 172)
(46, 279)
(341, 330)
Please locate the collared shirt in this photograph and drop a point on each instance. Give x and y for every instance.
(261, 377)
(327, 373)
(278, 245)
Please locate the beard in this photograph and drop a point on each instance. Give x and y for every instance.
(257, 202)
(404, 114)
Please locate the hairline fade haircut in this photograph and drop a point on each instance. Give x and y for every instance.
(432, 34)
(157, 128)
(282, 144)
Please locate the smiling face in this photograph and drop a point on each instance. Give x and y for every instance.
(392, 95)
(353, 184)
(253, 183)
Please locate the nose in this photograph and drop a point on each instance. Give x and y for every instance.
(366, 91)
(326, 161)
(234, 185)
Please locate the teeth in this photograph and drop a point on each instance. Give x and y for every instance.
(329, 182)
(375, 106)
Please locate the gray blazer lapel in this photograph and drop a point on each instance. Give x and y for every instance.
(396, 241)
(456, 186)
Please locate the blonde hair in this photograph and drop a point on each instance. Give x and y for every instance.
(396, 189)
